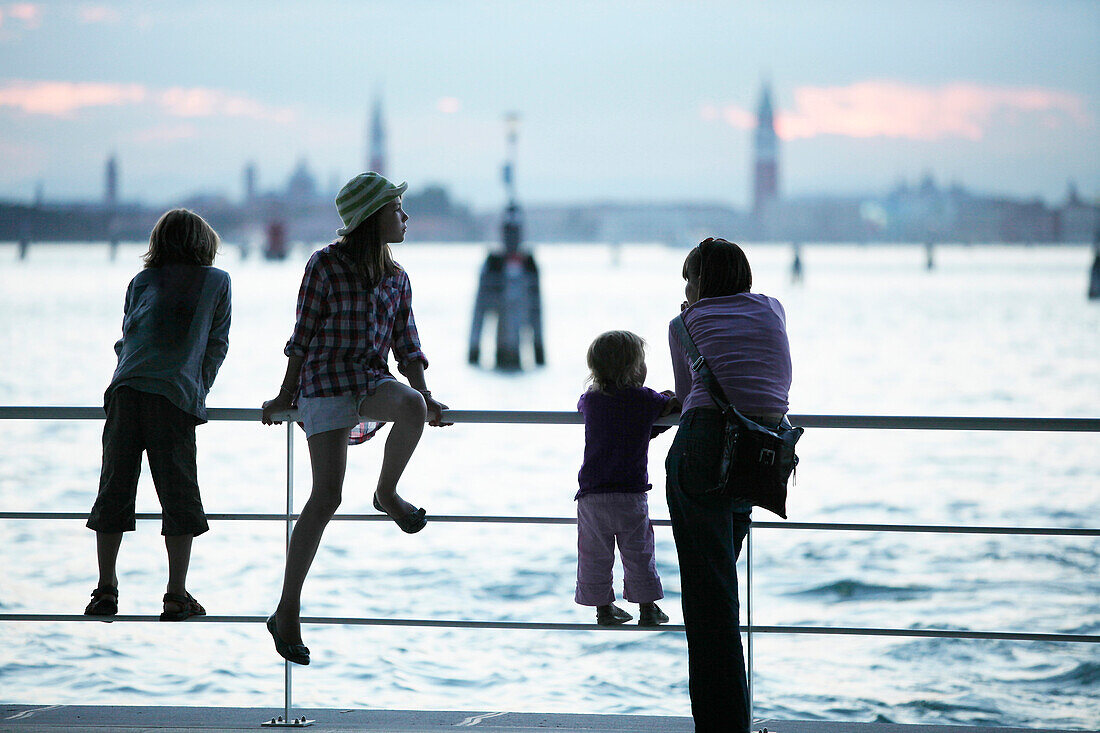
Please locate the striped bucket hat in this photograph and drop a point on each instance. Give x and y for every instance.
(362, 196)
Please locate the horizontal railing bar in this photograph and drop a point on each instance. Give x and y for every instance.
(553, 417)
(476, 519)
(931, 528)
(558, 626)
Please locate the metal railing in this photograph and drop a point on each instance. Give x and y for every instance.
(873, 422)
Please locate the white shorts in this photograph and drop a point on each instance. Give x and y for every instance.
(322, 414)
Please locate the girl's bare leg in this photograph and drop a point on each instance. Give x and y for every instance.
(328, 454)
(401, 405)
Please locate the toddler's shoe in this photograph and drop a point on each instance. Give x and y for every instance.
(611, 615)
(650, 614)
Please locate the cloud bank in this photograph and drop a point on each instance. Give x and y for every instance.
(897, 110)
(65, 98)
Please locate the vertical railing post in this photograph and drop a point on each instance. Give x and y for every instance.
(286, 721)
(748, 600)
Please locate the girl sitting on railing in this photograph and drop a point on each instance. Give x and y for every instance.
(354, 306)
(175, 333)
(619, 413)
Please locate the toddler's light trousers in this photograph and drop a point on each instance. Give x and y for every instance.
(604, 520)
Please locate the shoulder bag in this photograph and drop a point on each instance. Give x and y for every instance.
(756, 460)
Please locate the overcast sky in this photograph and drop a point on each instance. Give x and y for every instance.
(619, 100)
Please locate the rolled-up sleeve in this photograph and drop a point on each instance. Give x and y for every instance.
(311, 297)
(217, 343)
(125, 312)
(406, 341)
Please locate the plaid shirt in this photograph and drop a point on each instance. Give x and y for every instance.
(344, 332)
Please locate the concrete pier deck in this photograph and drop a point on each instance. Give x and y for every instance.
(127, 719)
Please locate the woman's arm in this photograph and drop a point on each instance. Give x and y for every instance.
(680, 369)
(289, 388)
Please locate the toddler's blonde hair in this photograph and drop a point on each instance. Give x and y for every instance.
(616, 360)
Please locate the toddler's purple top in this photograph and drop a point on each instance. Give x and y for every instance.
(743, 337)
(618, 426)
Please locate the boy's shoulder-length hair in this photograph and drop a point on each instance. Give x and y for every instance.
(182, 237)
(616, 360)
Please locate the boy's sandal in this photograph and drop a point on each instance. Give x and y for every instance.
(187, 604)
(410, 523)
(297, 653)
(102, 603)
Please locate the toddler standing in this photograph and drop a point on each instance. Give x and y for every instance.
(619, 413)
(175, 333)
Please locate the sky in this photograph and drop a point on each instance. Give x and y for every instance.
(635, 101)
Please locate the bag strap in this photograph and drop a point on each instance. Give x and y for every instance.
(699, 365)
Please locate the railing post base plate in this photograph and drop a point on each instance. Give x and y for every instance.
(280, 722)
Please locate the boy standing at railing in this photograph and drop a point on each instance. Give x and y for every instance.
(619, 413)
(175, 334)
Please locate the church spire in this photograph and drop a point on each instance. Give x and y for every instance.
(766, 152)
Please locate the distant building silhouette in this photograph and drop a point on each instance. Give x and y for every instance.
(110, 187)
(765, 175)
(302, 186)
(250, 182)
(376, 147)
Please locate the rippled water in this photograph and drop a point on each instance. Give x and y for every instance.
(992, 331)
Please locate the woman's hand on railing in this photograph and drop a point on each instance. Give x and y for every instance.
(274, 407)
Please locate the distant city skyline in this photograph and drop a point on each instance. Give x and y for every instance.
(619, 101)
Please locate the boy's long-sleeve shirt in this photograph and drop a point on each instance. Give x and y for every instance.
(175, 334)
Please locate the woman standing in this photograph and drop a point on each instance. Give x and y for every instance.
(743, 337)
(354, 306)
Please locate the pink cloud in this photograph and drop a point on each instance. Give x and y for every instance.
(99, 14)
(202, 102)
(63, 98)
(29, 13)
(448, 105)
(893, 109)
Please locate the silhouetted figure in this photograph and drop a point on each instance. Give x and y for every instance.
(1094, 277)
(509, 289)
(796, 265)
(275, 246)
(24, 238)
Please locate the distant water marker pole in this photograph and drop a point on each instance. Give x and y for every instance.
(508, 287)
(1094, 276)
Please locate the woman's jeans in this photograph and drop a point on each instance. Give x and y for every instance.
(708, 531)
